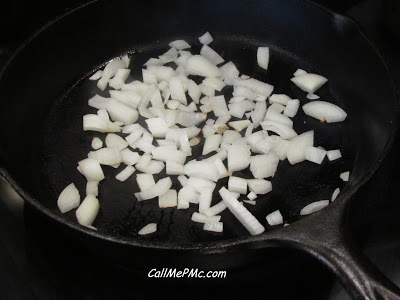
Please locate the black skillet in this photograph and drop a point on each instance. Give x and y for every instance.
(44, 97)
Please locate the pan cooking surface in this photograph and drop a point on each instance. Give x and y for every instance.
(121, 215)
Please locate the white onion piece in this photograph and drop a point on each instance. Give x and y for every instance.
(223, 119)
(200, 218)
(185, 145)
(263, 57)
(153, 62)
(284, 131)
(214, 227)
(91, 169)
(237, 109)
(313, 207)
(205, 200)
(144, 146)
(148, 229)
(215, 210)
(255, 138)
(345, 176)
(257, 86)
(170, 55)
(297, 147)
(274, 218)
(241, 91)
(115, 141)
(206, 108)
(333, 154)
(207, 90)
(325, 111)
(68, 199)
(125, 173)
(145, 181)
(174, 168)
(215, 83)
(92, 188)
(177, 90)
(218, 104)
(202, 169)
(211, 143)
(163, 84)
(173, 104)
(199, 65)
(206, 38)
(149, 77)
(135, 136)
(335, 194)
(238, 157)
(160, 188)
(314, 154)
(96, 143)
(258, 114)
(273, 115)
(229, 72)
(119, 79)
(299, 72)
(121, 112)
(210, 122)
(194, 141)
(279, 98)
(109, 71)
(236, 99)
(97, 75)
(187, 195)
(239, 125)
(129, 98)
(241, 213)
(165, 143)
(169, 199)
(259, 186)
(170, 117)
(126, 59)
(309, 82)
(312, 96)
(263, 166)
(129, 157)
(223, 154)
(262, 147)
(194, 91)
(201, 184)
(175, 134)
(278, 107)
(249, 129)
(189, 119)
(279, 146)
(157, 126)
(132, 128)
(252, 196)
(98, 101)
(237, 184)
(88, 210)
(250, 202)
(222, 171)
(106, 156)
(95, 123)
(230, 136)
(291, 108)
(211, 55)
(179, 44)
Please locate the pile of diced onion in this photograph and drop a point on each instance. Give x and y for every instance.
(252, 129)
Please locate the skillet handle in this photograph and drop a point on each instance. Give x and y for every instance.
(326, 242)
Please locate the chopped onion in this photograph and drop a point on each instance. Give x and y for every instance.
(96, 143)
(215, 83)
(275, 218)
(249, 130)
(115, 141)
(291, 108)
(95, 123)
(97, 75)
(215, 227)
(91, 169)
(278, 107)
(258, 114)
(157, 126)
(241, 91)
(145, 181)
(299, 72)
(106, 156)
(241, 213)
(88, 210)
(199, 65)
(238, 157)
(312, 96)
(121, 112)
(211, 143)
(174, 168)
(314, 154)
(129, 157)
(148, 229)
(211, 55)
(230, 136)
(194, 141)
(345, 176)
(309, 82)
(144, 146)
(297, 147)
(280, 99)
(125, 173)
(259, 186)
(202, 169)
(170, 55)
(215, 210)
(257, 86)
(194, 91)
(177, 90)
(335, 194)
(284, 131)
(252, 202)
(189, 119)
(263, 57)
(313, 207)
(187, 195)
(98, 101)
(169, 199)
(239, 125)
(179, 44)
(333, 154)
(201, 184)
(119, 79)
(206, 38)
(252, 196)
(92, 188)
(205, 200)
(237, 184)
(229, 72)
(200, 218)
(160, 188)
(325, 111)
(109, 71)
(68, 199)
(263, 166)
(273, 115)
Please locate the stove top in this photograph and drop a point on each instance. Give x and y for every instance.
(48, 266)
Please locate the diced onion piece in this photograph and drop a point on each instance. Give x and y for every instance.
(153, 62)
(279, 98)
(115, 141)
(333, 154)
(129, 157)
(345, 176)
(144, 146)
(211, 143)
(157, 126)
(145, 181)
(211, 55)
(200, 218)
(335, 194)
(284, 131)
(96, 143)
(279, 146)
(205, 200)
(252, 196)
(92, 188)
(259, 186)
(291, 108)
(230, 136)
(278, 107)
(98, 101)
(129, 98)
(167, 154)
(275, 218)
(109, 71)
(215, 227)
(202, 169)
(297, 147)
(125, 173)
(194, 141)
(263, 57)
(119, 79)
(238, 157)
(215, 210)
(237, 184)
(220, 155)
(313, 207)
(314, 154)
(187, 195)
(179, 44)
(257, 86)
(170, 55)
(148, 229)
(229, 72)
(312, 96)
(189, 119)
(121, 112)
(258, 114)
(199, 65)
(252, 202)
(95, 123)
(241, 213)
(239, 125)
(177, 90)
(273, 115)
(200, 184)
(194, 91)
(106, 156)
(241, 91)
(206, 38)
(309, 82)
(174, 168)
(91, 169)
(126, 59)
(255, 138)
(169, 199)
(218, 104)
(160, 188)
(249, 130)
(299, 72)
(97, 75)
(325, 111)
(88, 210)
(68, 199)
(263, 166)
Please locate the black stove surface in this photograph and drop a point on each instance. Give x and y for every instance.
(47, 266)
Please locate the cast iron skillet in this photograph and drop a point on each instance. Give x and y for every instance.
(44, 96)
